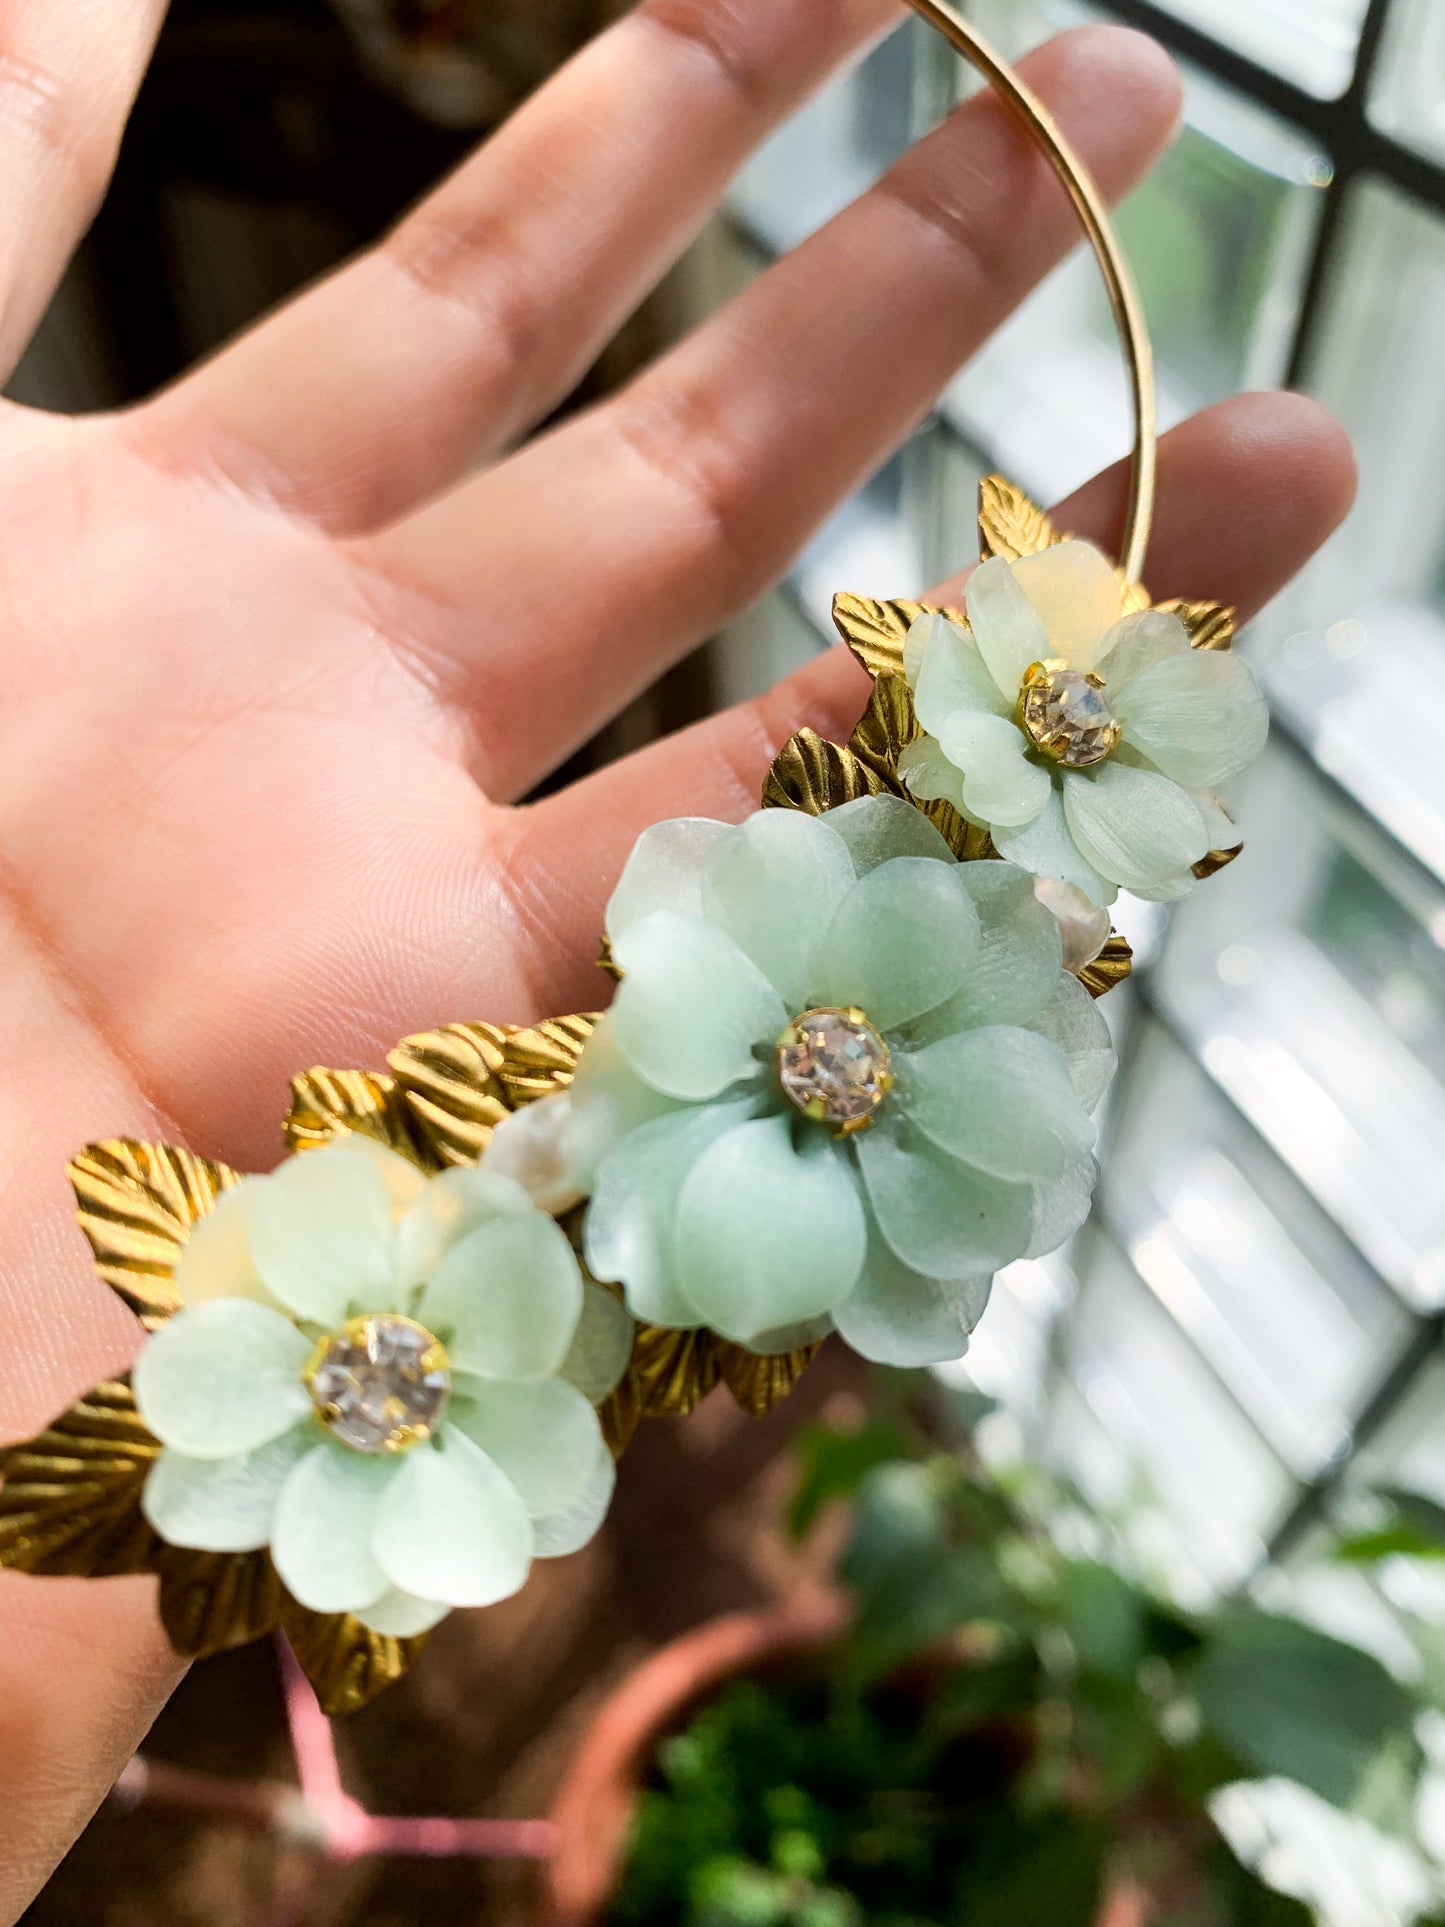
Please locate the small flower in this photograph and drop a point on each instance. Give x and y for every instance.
(844, 1080)
(386, 1378)
(1087, 741)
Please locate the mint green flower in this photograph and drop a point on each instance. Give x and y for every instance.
(844, 1080)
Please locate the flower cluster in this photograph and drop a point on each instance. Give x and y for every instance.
(1086, 740)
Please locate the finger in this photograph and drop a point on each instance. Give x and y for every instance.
(1249, 490)
(69, 70)
(489, 302)
(680, 500)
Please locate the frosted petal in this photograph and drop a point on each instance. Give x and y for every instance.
(400, 1616)
(1046, 848)
(1135, 827)
(1077, 595)
(453, 1205)
(938, 1216)
(1009, 631)
(223, 1378)
(505, 1301)
(1138, 642)
(897, 1316)
(222, 1505)
(321, 1542)
(878, 828)
(544, 1437)
(773, 885)
(1060, 1208)
(664, 871)
(1198, 716)
(1074, 1024)
(569, 1531)
(953, 675)
(1019, 958)
(902, 941)
(1000, 783)
(323, 1229)
(602, 1345)
(691, 1007)
(999, 1100)
(451, 1526)
(216, 1260)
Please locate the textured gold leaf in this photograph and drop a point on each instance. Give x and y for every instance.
(137, 1205)
(543, 1059)
(326, 1105)
(876, 631)
(1009, 524)
(212, 1601)
(1215, 861)
(70, 1497)
(619, 1416)
(347, 1663)
(1109, 969)
(1210, 624)
(759, 1383)
(887, 727)
(672, 1371)
(812, 774)
(450, 1086)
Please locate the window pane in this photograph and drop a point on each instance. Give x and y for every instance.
(1311, 42)
(1408, 95)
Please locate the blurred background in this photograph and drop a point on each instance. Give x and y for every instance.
(1249, 1329)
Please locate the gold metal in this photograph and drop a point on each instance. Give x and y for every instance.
(1054, 742)
(1093, 213)
(137, 1203)
(816, 1109)
(356, 1331)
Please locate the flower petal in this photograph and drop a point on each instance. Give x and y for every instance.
(223, 1378)
(453, 1205)
(607, 1099)
(222, 1505)
(1010, 634)
(505, 1301)
(999, 1100)
(628, 1231)
(1136, 828)
(544, 1437)
(451, 1525)
(398, 1615)
(1138, 642)
(1075, 1025)
(897, 1316)
(664, 871)
(938, 1216)
(952, 676)
(1046, 848)
(569, 1531)
(216, 1261)
(926, 773)
(1078, 598)
(878, 828)
(1019, 959)
(1060, 1208)
(902, 941)
(770, 1228)
(1198, 716)
(691, 1006)
(601, 1348)
(321, 1542)
(1000, 782)
(773, 885)
(322, 1229)
(1085, 927)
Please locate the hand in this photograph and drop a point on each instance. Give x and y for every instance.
(282, 646)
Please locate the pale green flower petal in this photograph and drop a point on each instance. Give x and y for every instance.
(791, 1338)
(608, 1099)
(1137, 643)
(1078, 598)
(538, 1148)
(953, 673)
(323, 1225)
(1198, 717)
(544, 1437)
(903, 940)
(1019, 959)
(1135, 827)
(454, 1204)
(999, 1100)
(897, 1316)
(1046, 848)
(940, 1217)
(769, 1229)
(1219, 826)
(1167, 890)
(773, 884)
(601, 1348)
(629, 1225)
(222, 1505)
(1075, 1025)
(223, 1378)
(1060, 1208)
(879, 828)
(1084, 926)
(398, 1615)
(567, 1532)
(1001, 785)
(322, 1539)
(451, 1525)
(216, 1260)
(691, 1006)
(926, 773)
(505, 1301)
(664, 871)
(1010, 633)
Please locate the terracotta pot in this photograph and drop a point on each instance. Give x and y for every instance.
(594, 1807)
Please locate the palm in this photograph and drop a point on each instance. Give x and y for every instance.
(280, 651)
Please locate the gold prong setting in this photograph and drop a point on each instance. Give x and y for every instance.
(1065, 714)
(834, 1068)
(380, 1384)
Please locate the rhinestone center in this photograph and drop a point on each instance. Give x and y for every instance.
(380, 1384)
(834, 1068)
(1067, 714)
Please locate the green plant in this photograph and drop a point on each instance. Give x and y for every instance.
(1016, 1726)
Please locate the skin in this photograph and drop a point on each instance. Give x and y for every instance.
(283, 646)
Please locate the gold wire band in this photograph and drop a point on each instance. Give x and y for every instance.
(1123, 293)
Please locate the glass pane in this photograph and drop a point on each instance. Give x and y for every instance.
(1311, 42)
(1410, 1451)
(1310, 980)
(1407, 98)
(1237, 1254)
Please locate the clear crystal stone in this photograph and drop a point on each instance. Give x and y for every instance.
(380, 1383)
(1068, 716)
(834, 1067)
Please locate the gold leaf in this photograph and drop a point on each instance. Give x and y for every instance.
(815, 775)
(619, 1415)
(326, 1105)
(70, 1497)
(876, 631)
(347, 1663)
(1009, 524)
(1215, 861)
(543, 1059)
(672, 1371)
(212, 1601)
(137, 1205)
(759, 1383)
(888, 725)
(1112, 965)
(1210, 624)
(449, 1083)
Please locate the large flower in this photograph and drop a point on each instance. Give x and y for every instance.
(386, 1378)
(844, 1080)
(1087, 741)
